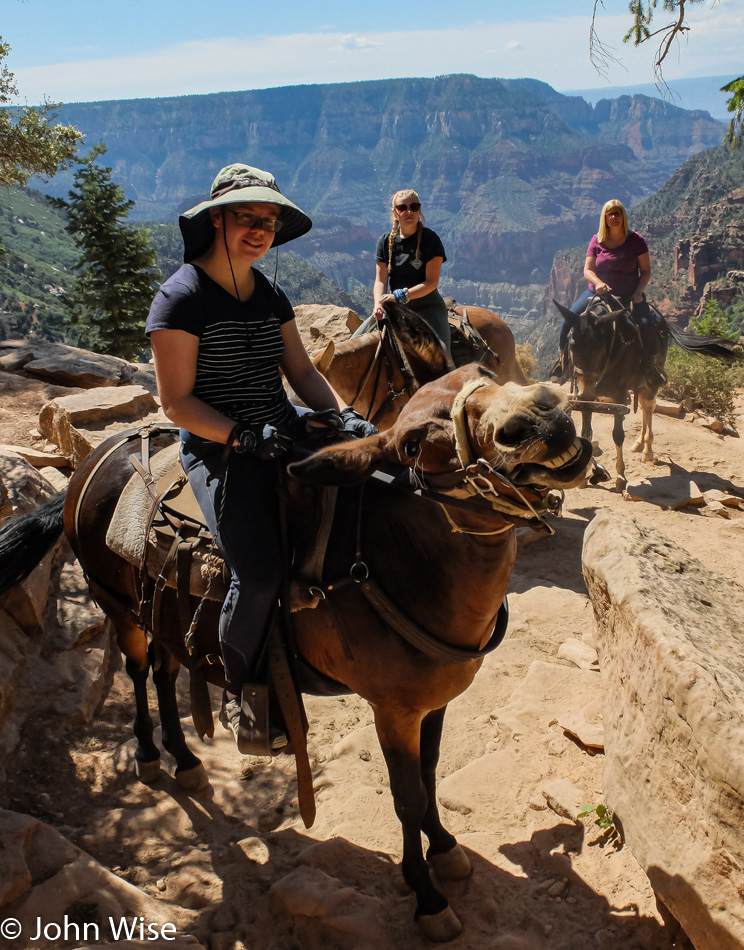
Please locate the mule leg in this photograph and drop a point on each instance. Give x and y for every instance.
(445, 855)
(618, 437)
(190, 773)
(400, 740)
(146, 757)
(586, 425)
(646, 440)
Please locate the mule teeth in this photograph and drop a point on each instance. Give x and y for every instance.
(569, 455)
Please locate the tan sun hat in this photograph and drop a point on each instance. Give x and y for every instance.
(234, 184)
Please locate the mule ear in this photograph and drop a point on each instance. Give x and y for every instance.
(424, 350)
(342, 464)
(325, 358)
(568, 315)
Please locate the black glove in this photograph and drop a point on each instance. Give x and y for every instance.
(265, 442)
(323, 425)
(356, 425)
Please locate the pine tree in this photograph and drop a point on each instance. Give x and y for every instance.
(116, 269)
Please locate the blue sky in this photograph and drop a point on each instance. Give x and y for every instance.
(82, 50)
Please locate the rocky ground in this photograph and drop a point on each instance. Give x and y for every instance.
(234, 864)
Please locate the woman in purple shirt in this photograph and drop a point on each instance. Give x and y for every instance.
(617, 262)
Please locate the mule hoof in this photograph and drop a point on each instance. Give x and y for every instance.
(147, 772)
(453, 865)
(648, 457)
(193, 780)
(440, 927)
(637, 446)
(621, 483)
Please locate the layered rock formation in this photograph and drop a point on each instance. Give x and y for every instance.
(509, 170)
(670, 651)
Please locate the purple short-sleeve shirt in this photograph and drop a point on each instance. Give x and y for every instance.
(618, 266)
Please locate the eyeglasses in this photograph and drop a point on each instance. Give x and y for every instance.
(247, 220)
(413, 206)
(613, 214)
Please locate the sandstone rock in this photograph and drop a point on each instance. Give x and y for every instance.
(72, 366)
(670, 491)
(254, 849)
(489, 787)
(672, 668)
(141, 374)
(585, 725)
(310, 892)
(22, 488)
(79, 422)
(16, 359)
(56, 479)
(546, 692)
(36, 458)
(563, 797)
(318, 324)
(666, 408)
(66, 876)
(730, 501)
(715, 510)
(579, 653)
(26, 602)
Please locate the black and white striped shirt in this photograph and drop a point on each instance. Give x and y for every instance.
(240, 343)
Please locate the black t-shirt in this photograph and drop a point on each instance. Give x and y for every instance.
(240, 343)
(406, 270)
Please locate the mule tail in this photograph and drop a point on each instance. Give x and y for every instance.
(26, 539)
(703, 345)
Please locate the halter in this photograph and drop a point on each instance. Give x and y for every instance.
(477, 478)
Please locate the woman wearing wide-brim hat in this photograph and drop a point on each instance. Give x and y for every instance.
(222, 333)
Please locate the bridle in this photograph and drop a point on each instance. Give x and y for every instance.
(477, 480)
(612, 317)
(382, 357)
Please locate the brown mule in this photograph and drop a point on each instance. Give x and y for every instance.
(368, 373)
(409, 632)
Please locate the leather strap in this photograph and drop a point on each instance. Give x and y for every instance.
(290, 702)
(425, 642)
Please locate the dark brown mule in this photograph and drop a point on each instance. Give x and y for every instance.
(607, 358)
(366, 370)
(433, 570)
(611, 355)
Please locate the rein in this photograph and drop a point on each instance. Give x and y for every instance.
(379, 358)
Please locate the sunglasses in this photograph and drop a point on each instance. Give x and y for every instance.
(613, 214)
(413, 206)
(247, 220)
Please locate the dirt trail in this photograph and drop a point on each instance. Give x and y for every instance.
(222, 851)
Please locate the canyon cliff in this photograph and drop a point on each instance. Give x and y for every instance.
(509, 171)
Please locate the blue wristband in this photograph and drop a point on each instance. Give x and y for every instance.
(401, 295)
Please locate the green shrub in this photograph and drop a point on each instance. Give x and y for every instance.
(707, 381)
(712, 322)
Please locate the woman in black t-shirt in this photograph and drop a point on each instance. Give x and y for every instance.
(409, 258)
(222, 334)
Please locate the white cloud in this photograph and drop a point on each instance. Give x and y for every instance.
(357, 42)
(554, 51)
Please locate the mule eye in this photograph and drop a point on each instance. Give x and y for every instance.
(411, 448)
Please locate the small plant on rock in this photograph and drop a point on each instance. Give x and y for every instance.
(606, 823)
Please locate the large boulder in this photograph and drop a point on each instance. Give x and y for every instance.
(79, 422)
(319, 323)
(670, 644)
(69, 365)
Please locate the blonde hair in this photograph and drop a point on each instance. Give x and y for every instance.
(603, 233)
(404, 193)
